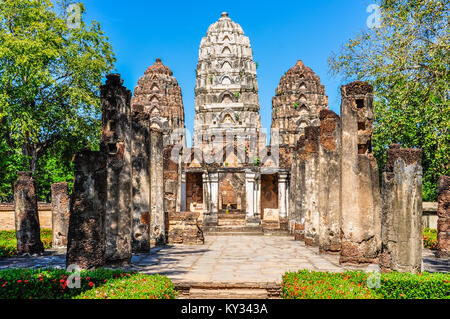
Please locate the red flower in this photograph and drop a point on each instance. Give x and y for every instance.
(91, 284)
(19, 281)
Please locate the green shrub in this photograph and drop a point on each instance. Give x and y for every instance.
(138, 286)
(415, 286)
(430, 238)
(322, 285)
(8, 242)
(353, 285)
(53, 284)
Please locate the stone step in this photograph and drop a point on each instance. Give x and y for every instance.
(205, 290)
(233, 229)
(231, 216)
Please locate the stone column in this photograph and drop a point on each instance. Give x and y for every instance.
(183, 193)
(311, 198)
(250, 194)
(60, 214)
(140, 180)
(360, 190)
(206, 194)
(86, 236)
(116, 144)
(282, 194)
(157, 219)
(214, 181)
(258, 198)
(443, 217)
(26, 215)
(401, 221)
(329, 182)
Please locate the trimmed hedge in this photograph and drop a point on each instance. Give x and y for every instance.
(53, 284)
(415, 286)
(8, 242)
(353, 285)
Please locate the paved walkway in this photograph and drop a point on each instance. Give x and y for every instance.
(226, 259)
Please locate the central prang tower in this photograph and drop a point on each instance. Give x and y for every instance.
(226, 87)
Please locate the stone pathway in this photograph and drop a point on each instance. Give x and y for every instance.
(237, 259)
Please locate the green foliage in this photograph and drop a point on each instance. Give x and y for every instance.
(53, 284)
(410, 286)
(95, 284)
(8, 242)
(237, 94)
(295, 105)
(138, 286)
(430, 238)
(407, 61)
(257, 161)
(353, 285)
(50, 76)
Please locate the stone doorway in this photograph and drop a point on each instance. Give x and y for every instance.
(269, 196)
(232, 194)
(194, 192)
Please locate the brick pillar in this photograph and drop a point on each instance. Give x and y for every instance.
(60, 214)
(157, 218)
(311, 185)
(298, 189)
(116, 144)
(443, 217)
(360, 191)
(140, 159)
(86, 235)
(171, 179)
(26, 215)
(329, 181)
(402, 240)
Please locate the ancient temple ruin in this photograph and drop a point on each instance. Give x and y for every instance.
(317, 180)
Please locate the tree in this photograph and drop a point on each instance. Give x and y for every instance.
(406, 59)
(50, 74)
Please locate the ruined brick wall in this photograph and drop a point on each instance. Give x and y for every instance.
(311, 186)
(361, 199)
(116, 144)
(60, 214)
(185, 228)
(329, 181)
(444, 217)
(7, 216)
(402, 211)
(86, 235)
(26, 215)
(171, 180)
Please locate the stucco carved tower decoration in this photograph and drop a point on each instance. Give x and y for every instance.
(159, 95)
(226, 88)
(298, 100)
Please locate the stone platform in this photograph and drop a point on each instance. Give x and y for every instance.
(226, 259)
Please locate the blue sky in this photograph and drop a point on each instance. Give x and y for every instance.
(280, 32)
